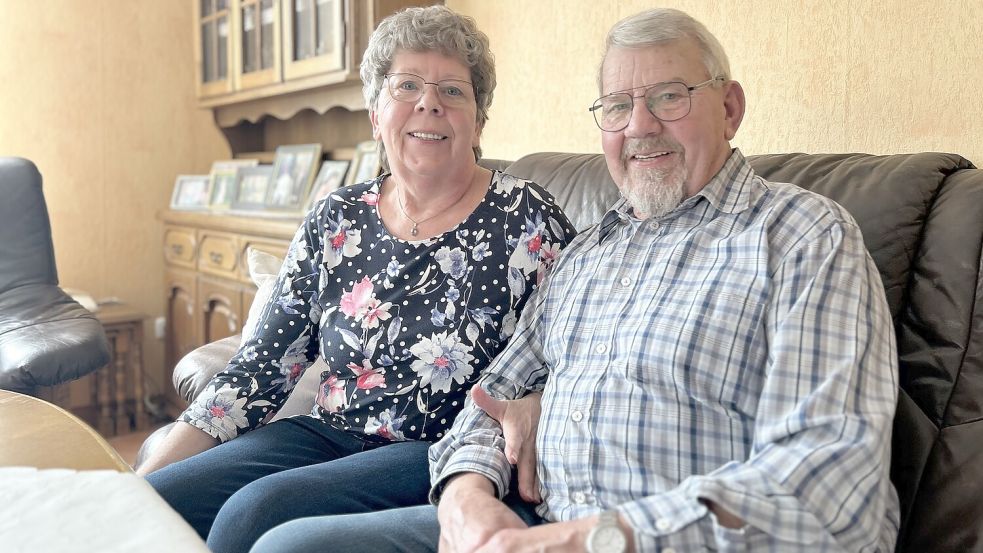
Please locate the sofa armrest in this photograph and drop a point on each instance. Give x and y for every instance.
(193, 372)
(196, 369)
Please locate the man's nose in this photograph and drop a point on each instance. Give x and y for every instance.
(642, 122)
(430, 99)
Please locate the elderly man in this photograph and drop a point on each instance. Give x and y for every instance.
(738, 391)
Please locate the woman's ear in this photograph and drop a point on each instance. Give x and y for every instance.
(734, 104)
(374, 118)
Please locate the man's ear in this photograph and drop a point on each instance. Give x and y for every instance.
(374, 118)
(733, 108)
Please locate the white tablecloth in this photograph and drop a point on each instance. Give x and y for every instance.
(60, 510)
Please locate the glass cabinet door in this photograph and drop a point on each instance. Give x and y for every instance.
(213, 50)
(314, 37)
(258, 44)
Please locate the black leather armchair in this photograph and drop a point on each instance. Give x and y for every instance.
(46, 337)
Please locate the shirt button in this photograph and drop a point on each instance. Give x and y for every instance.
(662, 525)
(601, 348)
(577, 416)
(625, 281)
(578, 497)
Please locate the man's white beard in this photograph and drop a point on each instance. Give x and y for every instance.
(654, 193)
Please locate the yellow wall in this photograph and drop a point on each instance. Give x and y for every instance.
(883, 76)
(100, 95)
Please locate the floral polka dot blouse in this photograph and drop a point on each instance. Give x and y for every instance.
(405, 327)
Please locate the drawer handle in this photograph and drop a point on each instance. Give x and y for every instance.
(215, 257)
(178, 249)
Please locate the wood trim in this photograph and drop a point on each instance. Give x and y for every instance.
(283, 226)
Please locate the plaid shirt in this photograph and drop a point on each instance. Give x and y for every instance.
(738, 349)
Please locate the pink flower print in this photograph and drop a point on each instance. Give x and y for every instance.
(356, 302)
(547, 255)
(341, 241)
(368, 376)
(549, 252)
(220, 409)
(527, 251)
(442, 360)
(294, 371)
(370, 198)
(376, 312)
(387, 425)
(361, 304)
(331, 394)
(534, 244)
(338, 241)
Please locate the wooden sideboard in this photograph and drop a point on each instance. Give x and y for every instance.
(207, 286)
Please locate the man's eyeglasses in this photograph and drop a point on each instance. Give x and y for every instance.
(407, 87)
(665, 101)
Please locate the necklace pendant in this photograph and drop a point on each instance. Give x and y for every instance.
(414, 231)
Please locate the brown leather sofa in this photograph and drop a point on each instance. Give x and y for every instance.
(922, 220)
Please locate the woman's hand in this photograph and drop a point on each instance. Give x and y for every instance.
(470, 514)
(520, 421)
(181, 442)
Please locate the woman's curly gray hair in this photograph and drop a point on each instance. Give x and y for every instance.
(430, 29)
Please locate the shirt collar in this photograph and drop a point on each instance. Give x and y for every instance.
(731, 190)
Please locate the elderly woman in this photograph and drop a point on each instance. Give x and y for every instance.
(406, 285)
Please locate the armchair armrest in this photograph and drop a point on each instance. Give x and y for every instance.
(193, 372)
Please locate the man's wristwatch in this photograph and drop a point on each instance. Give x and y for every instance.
(607, 536)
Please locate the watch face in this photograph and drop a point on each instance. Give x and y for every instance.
(607, 539)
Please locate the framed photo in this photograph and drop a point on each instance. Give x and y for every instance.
(293, 173)
(224, 181)
(329, 178)
(252, 186)
(191, 192)
(365, 164)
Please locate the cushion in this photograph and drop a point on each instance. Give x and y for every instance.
(263, 268)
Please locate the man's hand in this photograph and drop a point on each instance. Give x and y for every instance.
(470, 514)
(520, 421)
(556, 537)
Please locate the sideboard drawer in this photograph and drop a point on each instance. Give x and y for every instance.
(179, 246)
(218, 255)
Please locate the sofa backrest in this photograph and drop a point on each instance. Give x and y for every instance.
(922, 220)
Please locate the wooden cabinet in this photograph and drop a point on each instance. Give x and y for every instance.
(213, 47)
(181, 330)
(221, 308)
(261, 63)
(314, 37)
(258, 44)
(207, 283)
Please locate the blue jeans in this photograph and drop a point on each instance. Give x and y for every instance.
(292, 468)
(409, 529)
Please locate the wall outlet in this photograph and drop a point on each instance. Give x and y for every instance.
(160, 326)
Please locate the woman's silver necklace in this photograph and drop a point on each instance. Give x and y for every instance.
(416, 224)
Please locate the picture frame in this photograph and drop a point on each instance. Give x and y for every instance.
(252, 187)
(365, 163)
(294, 168)
(191, 192)
(330, 178)
(223, 183)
